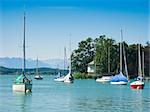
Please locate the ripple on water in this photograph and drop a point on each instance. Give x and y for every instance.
(81, 96)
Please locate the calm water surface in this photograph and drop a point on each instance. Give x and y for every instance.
(81, 96)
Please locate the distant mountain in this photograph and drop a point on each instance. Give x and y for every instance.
(17, 63)
(56, 63)
(4, 70)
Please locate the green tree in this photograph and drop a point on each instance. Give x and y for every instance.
(147, 59)
(105, 49)
(83, 55)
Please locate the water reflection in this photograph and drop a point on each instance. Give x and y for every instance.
(22, 101)
(137, 101)
(121, 100)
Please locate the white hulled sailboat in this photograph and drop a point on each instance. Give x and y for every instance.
(60, 77)
(69, 78)
(22, 82)
(37, 76)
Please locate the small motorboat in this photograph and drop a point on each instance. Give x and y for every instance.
(104, 79)
(59, 79)
(38, 77)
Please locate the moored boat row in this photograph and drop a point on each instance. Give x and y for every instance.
(120, 79)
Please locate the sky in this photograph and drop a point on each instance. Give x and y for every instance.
(50, 24)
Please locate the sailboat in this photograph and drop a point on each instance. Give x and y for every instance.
(37, 76)
(104, 79)
(60, 77)
(22, 82)
(69, 78)
(120, 79)
(139, 83)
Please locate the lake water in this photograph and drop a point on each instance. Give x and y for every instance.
(81, 96)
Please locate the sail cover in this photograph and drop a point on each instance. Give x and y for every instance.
(58, 75)
(69, 76)
(119, 77)
(139, 78)
(19, 79)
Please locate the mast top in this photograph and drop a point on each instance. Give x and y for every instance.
(121, 34)
(24, 55)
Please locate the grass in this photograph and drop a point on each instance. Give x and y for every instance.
(82, 76)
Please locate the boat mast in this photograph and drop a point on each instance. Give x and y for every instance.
(24, 50)
(70, 57)
(121, 52)
(37, 72)
(108, 60)
(95, 68)
(64, 59)
(139, 60)
(143, 63)
(124, 56)
(125, 61)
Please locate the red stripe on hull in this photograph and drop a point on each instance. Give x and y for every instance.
(137, 86)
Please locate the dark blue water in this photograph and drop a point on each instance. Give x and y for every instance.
(81, 96)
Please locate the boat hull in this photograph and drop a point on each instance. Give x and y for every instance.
(104, 79)
(68, 81)
(22, 87)
(119, 83)
(137, 85)
(68, 78)
(61, 79)
(38, 77)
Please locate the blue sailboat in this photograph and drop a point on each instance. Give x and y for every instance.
(120, 79)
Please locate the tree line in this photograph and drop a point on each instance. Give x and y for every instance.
(104, 52)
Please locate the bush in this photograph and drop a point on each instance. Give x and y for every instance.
(82, 76)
